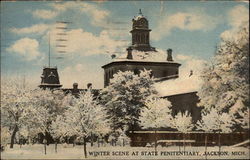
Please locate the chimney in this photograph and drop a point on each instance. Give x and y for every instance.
(129, 55)
(169, 57)
(113, 56)
(75, 86)
(75, 90)
(89, 86)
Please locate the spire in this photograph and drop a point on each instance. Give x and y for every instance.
(140, 13)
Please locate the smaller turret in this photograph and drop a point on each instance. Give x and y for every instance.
(50, 78)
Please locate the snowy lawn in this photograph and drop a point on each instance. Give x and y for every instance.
(69, 152)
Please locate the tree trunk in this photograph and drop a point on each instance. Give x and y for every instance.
(91, 138)
(45, 143)
(13, 136)
(206, 145)
(155, 141)
(45, 148)
(219, 144)
(74, 142)
(29, 140)
(47, 138)
(85, 147)
(184, 138)
(56, 146)
(179, 142)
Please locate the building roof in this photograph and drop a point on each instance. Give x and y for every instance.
(145, 63)
(179, 85)
(139, 17)
(156, 57)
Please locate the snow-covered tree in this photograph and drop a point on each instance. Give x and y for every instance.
(5, 137)
(243, 118)
(119, 137)
(213, 120)
(15, 98)
(155, 114)
(123, 139)
(125, 96)
(226, 79)
(82, 119)
(183, 123)
(46, 106)
(58, 127)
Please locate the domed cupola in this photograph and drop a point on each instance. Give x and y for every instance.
(140, 34)
(140, 22)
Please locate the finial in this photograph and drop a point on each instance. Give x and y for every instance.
(140, 12)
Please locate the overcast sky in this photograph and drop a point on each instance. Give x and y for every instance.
(98, 29)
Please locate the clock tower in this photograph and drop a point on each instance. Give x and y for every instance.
(141, 34)
(140, 55)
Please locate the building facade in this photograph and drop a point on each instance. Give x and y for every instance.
(139, 56)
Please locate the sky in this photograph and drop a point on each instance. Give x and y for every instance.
(97, 29)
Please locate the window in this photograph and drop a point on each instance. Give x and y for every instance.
(147, 38)
(143, 38)
(112, 73)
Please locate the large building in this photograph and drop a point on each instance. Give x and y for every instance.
(180, 91)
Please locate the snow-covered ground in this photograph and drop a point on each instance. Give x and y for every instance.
(69, 152)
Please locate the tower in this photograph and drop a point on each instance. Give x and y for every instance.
(135, 59)
(50, 78)
(141, 34)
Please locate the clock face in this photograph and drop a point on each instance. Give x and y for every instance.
(143, 22)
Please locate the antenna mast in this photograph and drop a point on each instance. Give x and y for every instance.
(49, 49)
